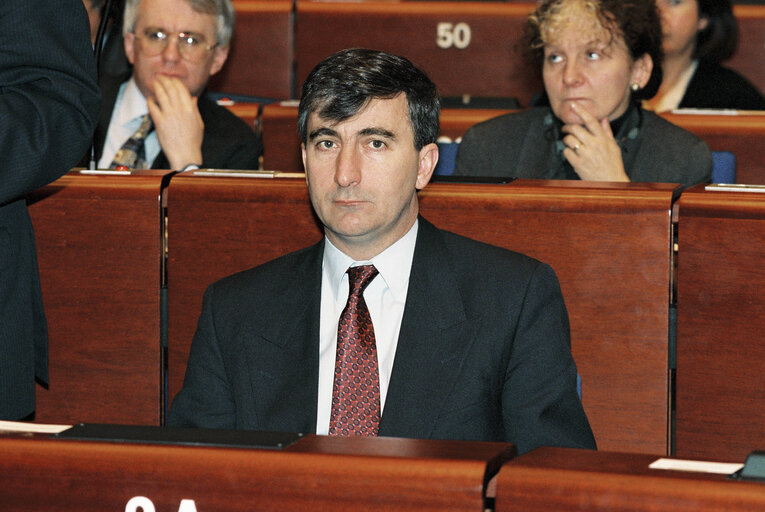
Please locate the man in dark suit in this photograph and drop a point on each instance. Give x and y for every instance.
(48, 107)
(467, 341)
(174, 46)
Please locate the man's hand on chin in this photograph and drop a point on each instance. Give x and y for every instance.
(176, 118)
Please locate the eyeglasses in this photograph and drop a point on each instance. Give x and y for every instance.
(191, 45)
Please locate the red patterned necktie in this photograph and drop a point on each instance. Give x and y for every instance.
(356, 390)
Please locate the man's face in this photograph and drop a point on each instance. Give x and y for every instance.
(363, 175)
(172, 17)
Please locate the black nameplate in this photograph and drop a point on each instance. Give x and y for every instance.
(180, 435)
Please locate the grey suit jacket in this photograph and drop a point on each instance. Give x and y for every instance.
(522, 145)
(483, 351)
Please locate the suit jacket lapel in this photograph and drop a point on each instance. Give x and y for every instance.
(432, 342)
(284, 359)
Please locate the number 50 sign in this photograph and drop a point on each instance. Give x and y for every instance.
(455, 35)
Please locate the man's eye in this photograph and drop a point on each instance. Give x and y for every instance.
(593, 55)
(325, 144)
(554, 58)
(377, 144)
(156, 35)
(190, 39)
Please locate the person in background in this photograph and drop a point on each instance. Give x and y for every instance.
(698, 35)
(598, 60)
(160, 116)
(48, 108)
(388, 326)
(94, 8)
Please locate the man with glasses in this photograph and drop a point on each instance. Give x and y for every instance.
(161, 112)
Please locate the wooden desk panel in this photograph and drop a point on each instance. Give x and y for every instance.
(610, 247)
(260, 58)
(281, 144)
(278, 124)
(219, 226)
(743, 135)
(748, 59)
(577, 480)
(488, 62)
(98, 246)
(344, 475)
(721, 321)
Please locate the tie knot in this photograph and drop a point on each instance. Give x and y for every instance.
(359, 277)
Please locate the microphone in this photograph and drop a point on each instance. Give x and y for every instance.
(97, 48)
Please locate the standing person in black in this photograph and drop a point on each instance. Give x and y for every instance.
(48, 108)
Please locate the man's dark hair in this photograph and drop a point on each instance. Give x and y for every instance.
(342, 84)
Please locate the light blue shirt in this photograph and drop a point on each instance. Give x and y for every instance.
(129, 108)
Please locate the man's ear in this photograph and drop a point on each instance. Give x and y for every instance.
(427, 164)
(220, 54)
(130, 49)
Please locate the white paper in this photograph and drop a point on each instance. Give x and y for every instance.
(700, 466)
(36, 428)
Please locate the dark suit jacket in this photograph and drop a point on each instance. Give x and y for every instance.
(519, 145)
(228, 142)
(48, 107)
(483, 352)
(715, 86)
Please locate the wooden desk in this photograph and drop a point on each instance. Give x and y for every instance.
(278, 125)
(743, 135)
(577, 480)
(260, 58)
(281, 144)
(99, 251)
(465, 47)
(471, 36)
(219, 226)
(751, 44)
(610, 247)
(343, 474)
(720, 326)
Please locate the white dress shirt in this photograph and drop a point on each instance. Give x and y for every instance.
(129, 108)
(385, 297)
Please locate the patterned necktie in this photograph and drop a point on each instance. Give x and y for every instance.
(132, 154)
(356, 390)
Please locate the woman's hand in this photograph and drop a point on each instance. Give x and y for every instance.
(592, 150)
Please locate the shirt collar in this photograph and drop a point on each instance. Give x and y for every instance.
(394, 265)
(132, 103)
